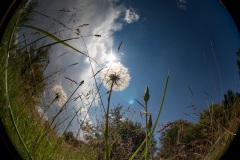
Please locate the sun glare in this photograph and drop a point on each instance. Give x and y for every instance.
(111, 58)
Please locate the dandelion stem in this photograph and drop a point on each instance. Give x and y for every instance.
(106, 125)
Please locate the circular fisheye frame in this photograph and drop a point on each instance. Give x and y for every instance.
(119, 79)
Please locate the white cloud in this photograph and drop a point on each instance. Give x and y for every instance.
(131, 16)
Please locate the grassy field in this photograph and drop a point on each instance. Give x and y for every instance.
(21, 88)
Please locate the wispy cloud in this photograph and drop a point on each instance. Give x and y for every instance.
(131, 16)
(182, 4)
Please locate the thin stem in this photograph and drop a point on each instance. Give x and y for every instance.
(64, 106)
(146, 109)
(98, 88)
(107, 121)
(45, 129)
(61, 138)
(219, 74)
(47, 109)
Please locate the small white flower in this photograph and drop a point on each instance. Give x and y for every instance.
(59, 95)
(117, 75)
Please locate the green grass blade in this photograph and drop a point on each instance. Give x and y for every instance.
(135, 153)
(53, 37)
(110, 147)
(160, 110)
(143, 154)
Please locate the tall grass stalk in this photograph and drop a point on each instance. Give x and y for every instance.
(94, 74)
(53, 37)
(49, 105)
(160, 108)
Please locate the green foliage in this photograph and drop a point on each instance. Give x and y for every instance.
(205, 138)
(126, 135)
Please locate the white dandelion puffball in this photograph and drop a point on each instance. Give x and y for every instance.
(117, 75)
(60, 96)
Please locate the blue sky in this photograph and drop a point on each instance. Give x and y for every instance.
(169, 38)
(158, 37)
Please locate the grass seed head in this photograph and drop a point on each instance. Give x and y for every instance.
(146, 96)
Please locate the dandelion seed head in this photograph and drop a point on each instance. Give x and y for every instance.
(116, 74)
(59, 95)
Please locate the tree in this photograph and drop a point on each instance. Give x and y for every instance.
(131, 134)
(124, 134)
(183, 140)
